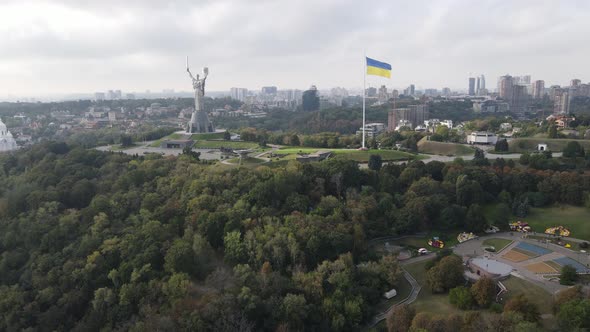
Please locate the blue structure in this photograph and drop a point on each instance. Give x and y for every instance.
(563, 261)
(533, 249)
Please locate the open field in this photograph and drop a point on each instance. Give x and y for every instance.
(553, 144)
(352, 154)
(516, 256)
(363, 156)
(576, 219)
(445, 149)
(498, 244)
(541, 268)
(534, 293)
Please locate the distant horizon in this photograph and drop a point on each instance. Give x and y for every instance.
(56, 97)
(53, 48)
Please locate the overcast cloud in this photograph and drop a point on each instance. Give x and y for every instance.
(85, 46)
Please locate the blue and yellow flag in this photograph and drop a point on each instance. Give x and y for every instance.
(378, 68)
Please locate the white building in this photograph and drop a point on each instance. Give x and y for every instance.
(372, 129)
(433, 123)
(403, 123)
(482, 137)
(238, 93)
(7, 142)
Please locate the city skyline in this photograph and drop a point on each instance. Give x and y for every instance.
(70, 47)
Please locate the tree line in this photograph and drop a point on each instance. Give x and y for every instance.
(94, 240)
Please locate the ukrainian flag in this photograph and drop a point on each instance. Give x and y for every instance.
(378, 68)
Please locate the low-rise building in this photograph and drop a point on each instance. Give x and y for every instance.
(482, 137)
(372, 129)
(318, 156)
(176, 144)
(433, 123)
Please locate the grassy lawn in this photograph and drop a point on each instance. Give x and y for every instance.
(250, 161)
(225, 144)
(156, 143)
(553, 144)
(427, 301)
(534, 293)
(498, 244)
(206, 136)
(575, 218)
(445, 149)
(363, 156)
(352, 154)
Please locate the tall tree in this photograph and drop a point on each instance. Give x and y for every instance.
(400, 318)
(375, 162)
(484, 291)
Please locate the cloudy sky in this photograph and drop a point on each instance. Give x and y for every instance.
(78, 46)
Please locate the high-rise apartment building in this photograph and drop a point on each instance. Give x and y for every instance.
(480, 87)
(505, 84)
(371, 92)
(524, 79)
(382, 94)
(446, 92)
(311, 99)
(269, 90)
(482, 82)
(99, 96)
(516, 95)
(575, 82)
(554, 92)
(410, 91)
(413, 114)
(538, 89)
(472, 86)
(238, 93)
(520, 98)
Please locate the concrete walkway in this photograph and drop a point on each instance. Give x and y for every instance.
(474, 248)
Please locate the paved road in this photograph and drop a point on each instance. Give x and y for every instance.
(144, 148)
(490, 156)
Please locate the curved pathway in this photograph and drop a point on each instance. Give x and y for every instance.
(413, 293)
(474, 247)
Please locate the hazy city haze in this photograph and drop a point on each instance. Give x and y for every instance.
(54, 47)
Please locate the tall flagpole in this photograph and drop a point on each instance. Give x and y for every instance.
(364, 92)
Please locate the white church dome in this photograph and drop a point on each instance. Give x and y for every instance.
(7, 142)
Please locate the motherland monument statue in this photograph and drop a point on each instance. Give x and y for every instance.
(199, 122)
